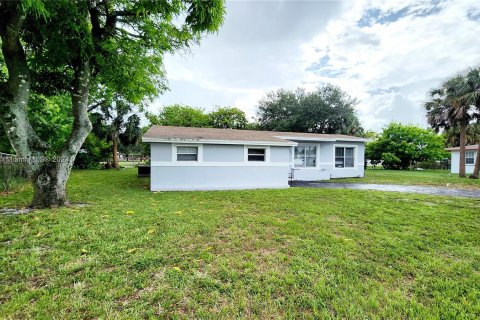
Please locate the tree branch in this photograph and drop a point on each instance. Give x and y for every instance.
(96, 105)
(100, 33)
(81, 122)
(125, 32)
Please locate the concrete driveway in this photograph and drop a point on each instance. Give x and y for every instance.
(438, 191)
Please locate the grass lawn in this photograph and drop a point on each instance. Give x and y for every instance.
(295, 253)
(405, 177)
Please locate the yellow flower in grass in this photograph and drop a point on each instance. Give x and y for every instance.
(130, 212)
(177, 269)
(132, 250)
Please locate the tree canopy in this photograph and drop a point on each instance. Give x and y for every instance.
(180, 116)
(472, 136)
(325, 110)
(88, 50)
(400, 146)
(228, 118)
(51, 119)
(187, 116)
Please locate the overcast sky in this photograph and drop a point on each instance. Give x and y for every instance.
(388, 54)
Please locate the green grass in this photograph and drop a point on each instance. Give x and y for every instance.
(295, 253)
(14, 183)
(407, 177)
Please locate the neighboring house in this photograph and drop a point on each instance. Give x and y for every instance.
(220, 159)
(470, 156)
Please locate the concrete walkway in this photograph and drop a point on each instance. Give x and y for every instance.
(438, 191)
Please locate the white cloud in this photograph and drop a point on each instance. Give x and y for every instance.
(257, 50)
(388, 54)
(391, 62)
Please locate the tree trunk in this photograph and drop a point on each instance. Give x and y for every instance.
(15, 92)
(49, 185)
(463, 132)
(50, 179)
(115, 153)
(476, 170)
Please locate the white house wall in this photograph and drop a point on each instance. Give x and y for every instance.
(220, 167)
(218, 178)
(325, 167)
(222, 153)
(161, 152)
(280, 154)
(456, 163)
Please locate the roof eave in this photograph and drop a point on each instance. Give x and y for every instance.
(211, 141)
(321, 139)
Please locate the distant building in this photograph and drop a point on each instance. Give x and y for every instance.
(470, 156)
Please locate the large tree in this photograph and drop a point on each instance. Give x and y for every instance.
(87, 50)
(228, 118)
(400, 146)
(325, 110)
(180, 116)
(187, 116)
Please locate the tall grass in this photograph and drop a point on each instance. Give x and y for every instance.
(12, 174)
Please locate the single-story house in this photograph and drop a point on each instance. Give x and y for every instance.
(470, 156)
(185, 158)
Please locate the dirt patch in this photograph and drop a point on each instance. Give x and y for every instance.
(14, 211)
(78, 205)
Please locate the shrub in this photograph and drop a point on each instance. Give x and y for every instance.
(402, 146)
(390, 161)
(94, 150)
(85, 160)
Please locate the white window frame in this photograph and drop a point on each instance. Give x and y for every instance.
(199, 150)
(355, 156)
(317, 158)
(467, 153)
(267, 153)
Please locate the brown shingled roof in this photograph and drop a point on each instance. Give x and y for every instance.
(316, 135)
(471, 147)
(191, 133)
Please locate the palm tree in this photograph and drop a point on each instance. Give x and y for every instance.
(448, 108)
(114, 125)
(452, 135)
(471, 96)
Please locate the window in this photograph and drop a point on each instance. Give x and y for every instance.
(470, 157)
(256, 154)
(305, 156)
(344, 157)
(187, 153)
